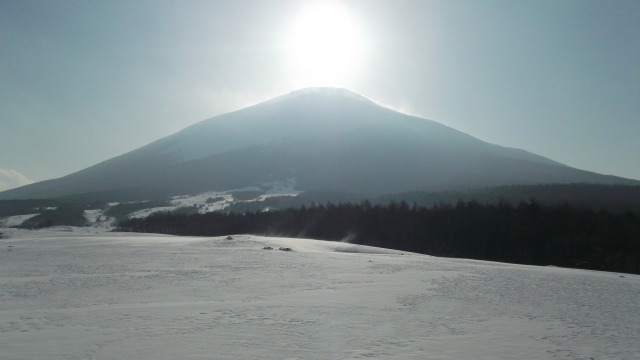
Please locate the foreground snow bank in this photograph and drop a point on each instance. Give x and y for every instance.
(71, 294)
(308, 245)
(15, 220)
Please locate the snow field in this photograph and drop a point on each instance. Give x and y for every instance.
(78, 295)
(275, 188)
(15, 220)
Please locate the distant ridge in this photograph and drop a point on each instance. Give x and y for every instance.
(325, 139)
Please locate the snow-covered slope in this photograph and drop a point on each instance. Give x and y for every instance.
(134, 296)
(16, 220)
(327, 139)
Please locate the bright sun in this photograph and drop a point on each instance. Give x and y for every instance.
(324, 45)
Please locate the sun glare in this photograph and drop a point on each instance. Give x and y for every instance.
(324, 46)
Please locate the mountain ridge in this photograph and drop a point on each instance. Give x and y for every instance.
(329, 139)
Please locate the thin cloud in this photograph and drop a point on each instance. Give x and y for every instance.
(10, 179)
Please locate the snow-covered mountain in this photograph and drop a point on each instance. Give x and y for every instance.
(324, 139)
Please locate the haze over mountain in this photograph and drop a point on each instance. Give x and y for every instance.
(325, 139)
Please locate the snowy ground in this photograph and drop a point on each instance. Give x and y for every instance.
(215, 201)
(202, 203)
(79, 295)
(15, 220)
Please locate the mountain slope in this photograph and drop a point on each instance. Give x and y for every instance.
(327, 139)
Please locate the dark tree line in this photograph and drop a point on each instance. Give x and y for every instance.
(63, 214)
(528, 233)
(614, 198)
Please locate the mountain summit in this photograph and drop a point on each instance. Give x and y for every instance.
(321, 138)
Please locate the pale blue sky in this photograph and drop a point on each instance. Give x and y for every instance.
(83, 81)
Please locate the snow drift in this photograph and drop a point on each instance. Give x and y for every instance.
(70, 295)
